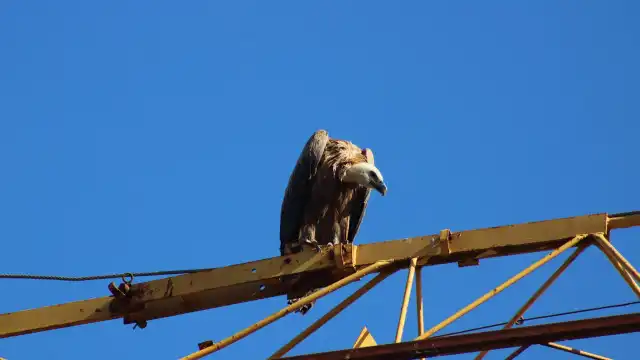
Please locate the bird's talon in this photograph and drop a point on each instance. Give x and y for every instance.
(304, 308)
(313, 244)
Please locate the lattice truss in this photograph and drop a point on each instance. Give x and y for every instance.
(333, 268)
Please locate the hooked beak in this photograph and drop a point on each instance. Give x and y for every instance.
(381, 187)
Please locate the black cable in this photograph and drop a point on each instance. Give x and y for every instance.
(541, 317)
(97, 277)
(584, 310)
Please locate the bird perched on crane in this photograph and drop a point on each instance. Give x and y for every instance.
(327, 195)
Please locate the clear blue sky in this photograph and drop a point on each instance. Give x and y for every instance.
(158, 135)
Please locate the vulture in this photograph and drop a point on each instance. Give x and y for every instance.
(326, 196)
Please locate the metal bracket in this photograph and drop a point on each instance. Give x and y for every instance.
(124, 302)
(443, 241)
(345, 256)
(121, 293)
(205, 344)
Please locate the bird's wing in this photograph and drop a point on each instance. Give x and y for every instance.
(359, 203)
(298, 189)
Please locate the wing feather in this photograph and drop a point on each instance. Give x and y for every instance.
(298, 191)
(360, 200)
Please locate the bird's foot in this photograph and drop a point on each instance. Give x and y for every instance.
(305, 308)
(313, 243)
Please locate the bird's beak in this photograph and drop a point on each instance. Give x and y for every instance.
(382, 188)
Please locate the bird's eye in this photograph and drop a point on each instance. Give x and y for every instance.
(373, 175)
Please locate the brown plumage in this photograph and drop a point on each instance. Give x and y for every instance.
(327, 194)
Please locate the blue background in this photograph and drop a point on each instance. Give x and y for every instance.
(156, 135)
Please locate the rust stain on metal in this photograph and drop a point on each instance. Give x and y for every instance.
(142, 289)
(169, 290)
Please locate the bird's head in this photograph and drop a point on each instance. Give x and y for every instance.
(367, 175)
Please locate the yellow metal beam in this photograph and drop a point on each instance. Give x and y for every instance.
(575, 351)
(621, 270)
(331, 314)
(624, 220)
(264, 278)
(365, 339)
(289, 309)
(419, 303)
(502, 286)
(621, 259)
(405, 299)
(499, 339)
(55, 317)
(516, 353)
(539, 292)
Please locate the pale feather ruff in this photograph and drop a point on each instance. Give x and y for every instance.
(341, 155)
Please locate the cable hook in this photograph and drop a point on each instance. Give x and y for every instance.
(125, 276)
